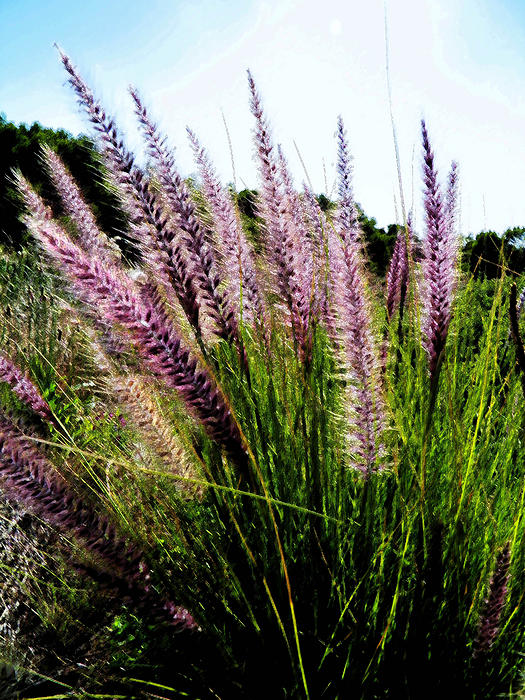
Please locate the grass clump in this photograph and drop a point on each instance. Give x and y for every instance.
(266, 475)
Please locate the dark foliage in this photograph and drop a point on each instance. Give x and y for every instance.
(325, 203)
(20, 148)
(484, 255)
(247, 203)
(379, 243)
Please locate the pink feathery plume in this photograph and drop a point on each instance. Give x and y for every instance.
(355, 324)
(397, 274)
(149, 223)
(117, 158)
(323, 280)
(91, 237)
(283, 245)
(489, 622)
(167, 256)
(237, 255)
(346, 217)
(452, 195)
(362, 358)
(439, 263)
(302, 253)
(27, 477)
(315, 217)
(42, 212)
(199, 251)
(149, 327)
(294, 210)
(24, 388)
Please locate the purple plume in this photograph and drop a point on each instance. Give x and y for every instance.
(27, 477)
(237, 256)
(149, 224)
(397, 274)
(346, 217)
(150, 329)
(367, 408)
(452, 196)
(40, 211)
(301, 255)
(315, 218)
(24, 388)
(362, 359)
(285, 235)
(489, 623)
(167, 257)
(323, 292)
(118, 160)
(91, 237)
(439, 262)
(200, 253)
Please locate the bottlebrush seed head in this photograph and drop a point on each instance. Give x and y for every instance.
(199, 251)
(489, 623)
(346, 212)
(91, 237)
(439, 262)
(238, 263)
(354, 320)
(366, 404)
(284, 232)
(397, 274)
(24, 388)
(150, 329)
(119, 161)
(452, 196)
(26, 476)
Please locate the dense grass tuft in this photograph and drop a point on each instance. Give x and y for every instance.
(324, 475)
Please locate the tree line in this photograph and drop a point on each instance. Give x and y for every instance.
(483, 254)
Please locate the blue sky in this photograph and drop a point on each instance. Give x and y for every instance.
(458, 63)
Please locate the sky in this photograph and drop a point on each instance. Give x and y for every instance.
(459, 64)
